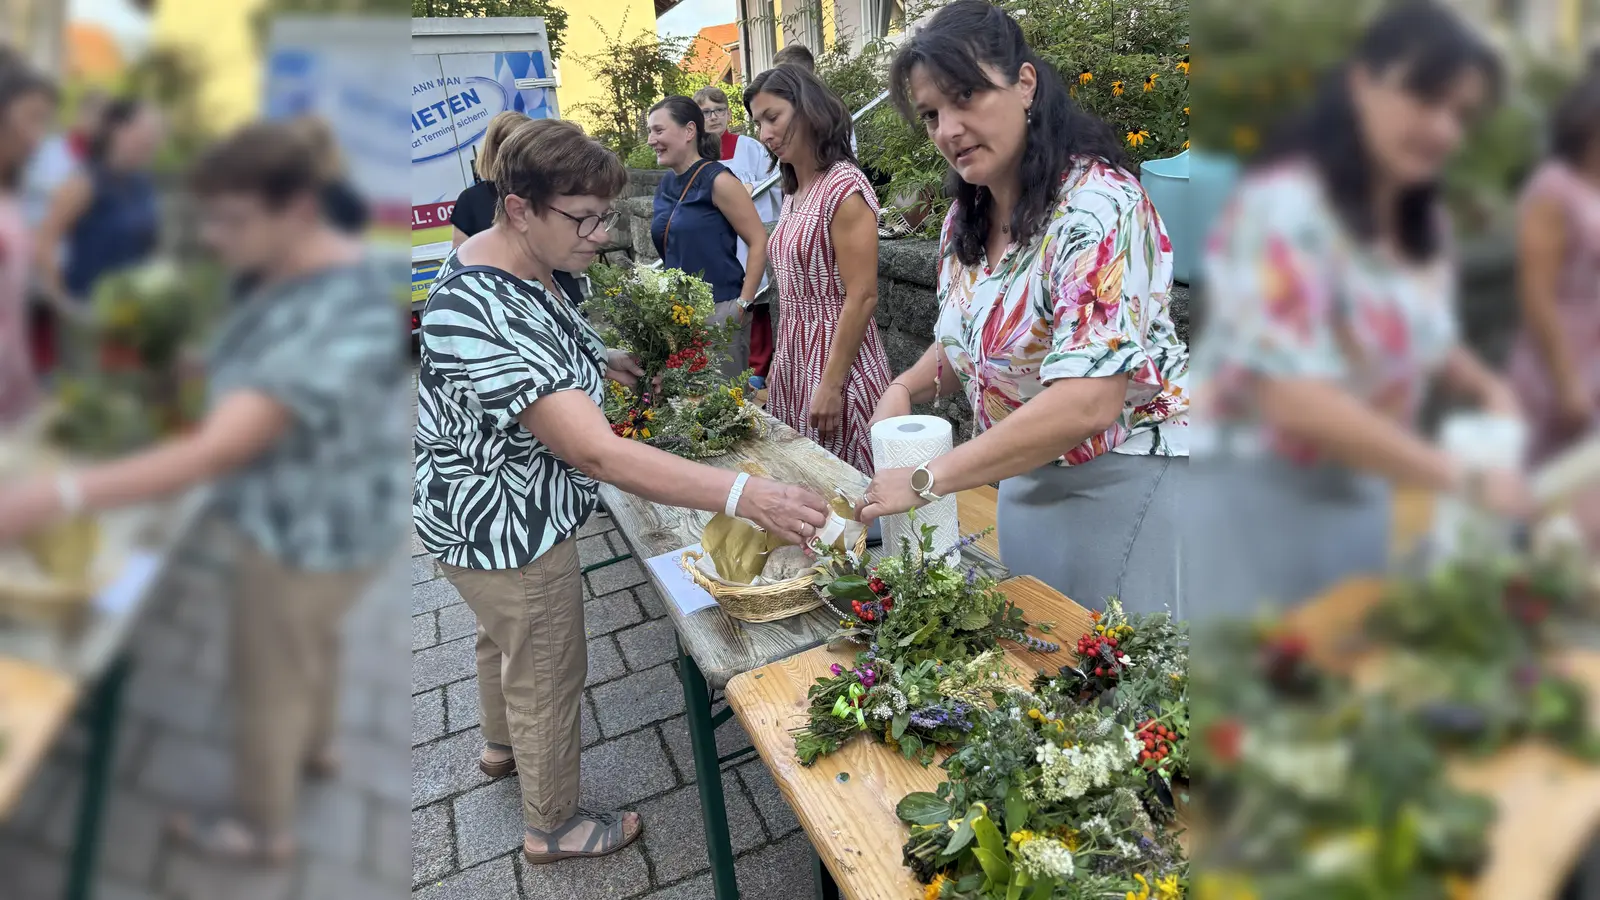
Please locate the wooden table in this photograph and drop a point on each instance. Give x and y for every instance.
(45, 676)
(714, 648)
(852, 823)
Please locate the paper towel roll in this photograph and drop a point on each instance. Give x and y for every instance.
(908, 442)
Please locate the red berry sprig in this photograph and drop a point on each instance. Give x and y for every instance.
(1100, 651)
(1158, 742)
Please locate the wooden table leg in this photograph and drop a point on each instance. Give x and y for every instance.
(104, 713)
(708, 775)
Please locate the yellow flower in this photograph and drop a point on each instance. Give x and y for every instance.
(1085, 76)
(644, 432)
(935, 887)
(1185, 144)
(1150, 82)
(1184, 67)
(1021, 837)
(650, 415)
(1167, 888)
(1186, 110)
(1035, 715)
(1137, 138)
(1116, 89)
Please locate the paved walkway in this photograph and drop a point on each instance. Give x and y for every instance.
(172, 754)
(467, 832)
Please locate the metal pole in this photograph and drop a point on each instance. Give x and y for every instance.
(767, 185)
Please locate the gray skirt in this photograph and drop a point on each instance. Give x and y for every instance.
(1265, 534)
(1107, 528)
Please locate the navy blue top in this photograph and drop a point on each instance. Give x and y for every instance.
(701, 242)
(121, 228)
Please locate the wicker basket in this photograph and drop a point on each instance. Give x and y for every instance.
(768, 602)
(49, 596)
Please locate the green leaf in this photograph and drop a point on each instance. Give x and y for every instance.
(850, 587)
(998, 870)
(1016, 810)
(1043, 888)
(964, 834)
(901, 720)
(989, 836)
(923, 808)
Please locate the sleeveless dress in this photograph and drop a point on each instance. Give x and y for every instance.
(811, 295)
(121, 228)
(1578, 303)
(18, 389)
(700, 241)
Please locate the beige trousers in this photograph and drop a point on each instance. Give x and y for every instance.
(285, 678)
(532, 660)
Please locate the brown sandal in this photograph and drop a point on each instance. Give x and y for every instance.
(226, 839)
(609, 836)
(497, 770)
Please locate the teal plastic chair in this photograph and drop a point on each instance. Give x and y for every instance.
(1166, 183)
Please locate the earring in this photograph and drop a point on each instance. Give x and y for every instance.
(1029, 111)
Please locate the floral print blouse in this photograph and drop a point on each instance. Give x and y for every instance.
(1088, 298)
(1297, 298)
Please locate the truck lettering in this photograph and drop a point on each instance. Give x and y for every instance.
(434, 113)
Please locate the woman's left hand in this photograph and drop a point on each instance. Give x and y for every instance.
(1501, 400)
(623, 368)
(889, 494)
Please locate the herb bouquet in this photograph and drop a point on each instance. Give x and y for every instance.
(931, 662)
(1472, 655)
(661, 316)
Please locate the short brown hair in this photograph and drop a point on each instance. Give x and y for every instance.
(547, 158)
(796, 55)
(1575, 126)
(272, 161)
(711, 92)
(488, 151)
(18, 79)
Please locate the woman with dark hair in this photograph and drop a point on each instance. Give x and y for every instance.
(511, 449)
(474, 209)
(702, 212)
(1333, 313)
(1555, 364)
(108, 213)
(1053, 285)
(27, 101)
(828, 364)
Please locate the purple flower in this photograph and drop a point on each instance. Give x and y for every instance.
(836, 669)
(972, 575)
(867, 675)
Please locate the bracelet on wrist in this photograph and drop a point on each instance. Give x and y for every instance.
(731, 508)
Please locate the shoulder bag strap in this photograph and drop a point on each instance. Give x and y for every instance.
(668, 229)
(521, 286)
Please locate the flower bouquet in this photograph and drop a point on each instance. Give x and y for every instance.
(1307, 787)
(1046, 800)
(931, 661)
(1471, 655)
(661, 316)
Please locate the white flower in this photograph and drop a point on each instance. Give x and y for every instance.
(1123, 658)
(1046, 857)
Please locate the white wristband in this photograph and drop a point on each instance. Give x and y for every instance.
(70, 494)
(731, 510)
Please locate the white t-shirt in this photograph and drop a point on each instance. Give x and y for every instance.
(52, 164)
(752, 164)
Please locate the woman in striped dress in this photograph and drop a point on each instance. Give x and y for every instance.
(828, 364)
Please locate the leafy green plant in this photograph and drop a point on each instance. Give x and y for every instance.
(634, 69)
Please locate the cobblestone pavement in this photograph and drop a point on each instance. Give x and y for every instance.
(467, 832)
(172, 754)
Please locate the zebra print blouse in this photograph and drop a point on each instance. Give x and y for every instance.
(488, 494)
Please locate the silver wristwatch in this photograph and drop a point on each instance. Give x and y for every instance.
(922, 483)
(744, 304)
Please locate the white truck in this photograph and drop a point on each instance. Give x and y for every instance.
(464, 72)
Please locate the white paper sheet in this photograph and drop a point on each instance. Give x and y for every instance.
(680, 588)
(131, 582)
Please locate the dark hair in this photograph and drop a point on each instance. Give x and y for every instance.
(18, 80)
(274, 162)
(118, 113)
(953, 48)
(826, 121)
(1575, 127)
(548, 158)
(687, 112)
(1434, 47)
(796, 55)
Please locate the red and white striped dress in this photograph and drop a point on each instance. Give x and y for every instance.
(811, 295)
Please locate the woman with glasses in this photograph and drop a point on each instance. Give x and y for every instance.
(702, 213)
(511, 448)
(751, 164)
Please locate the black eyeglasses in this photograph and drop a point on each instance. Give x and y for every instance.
(587, 224)
(713, 112)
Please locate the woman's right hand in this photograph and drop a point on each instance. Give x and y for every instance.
(1505, 492)
(793, 513)
(896, 401)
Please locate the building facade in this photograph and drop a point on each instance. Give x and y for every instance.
(37, 29)
(765, 26)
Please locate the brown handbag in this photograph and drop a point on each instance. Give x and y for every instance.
(667, 230)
